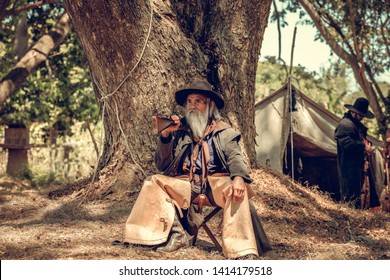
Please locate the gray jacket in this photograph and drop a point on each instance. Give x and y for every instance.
(171, 152)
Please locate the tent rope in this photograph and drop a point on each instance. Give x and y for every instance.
(139, 59)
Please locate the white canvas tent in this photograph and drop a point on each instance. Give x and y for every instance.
(314, 148)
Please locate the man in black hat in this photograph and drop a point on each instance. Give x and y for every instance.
(200, 158)
(352, 150)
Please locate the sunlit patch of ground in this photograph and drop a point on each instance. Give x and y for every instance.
(301, 223)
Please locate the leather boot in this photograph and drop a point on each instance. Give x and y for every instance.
(177, 238)
(191, 220)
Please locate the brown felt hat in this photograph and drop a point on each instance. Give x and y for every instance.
(201, 87)
(360, 107)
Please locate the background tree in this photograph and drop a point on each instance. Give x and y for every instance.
(358, 33)
(47, 81)
(139, 53)
(9, 8)
(326, 88)
(38, 53)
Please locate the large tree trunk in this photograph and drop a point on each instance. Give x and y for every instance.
(136, 73)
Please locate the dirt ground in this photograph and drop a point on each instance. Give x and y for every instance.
(301, 223)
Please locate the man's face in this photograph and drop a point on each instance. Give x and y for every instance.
(196, 101)
(357, 116)
(197, 117)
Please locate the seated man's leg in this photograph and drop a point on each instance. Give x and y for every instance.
(177, 238)
(191, 219)
(153, 213)
(263, 244)
(237, 233)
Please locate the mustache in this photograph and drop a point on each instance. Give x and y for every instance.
(197, 121)
(194, 113)
(193, 110)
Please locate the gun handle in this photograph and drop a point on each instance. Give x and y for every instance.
(160, 123)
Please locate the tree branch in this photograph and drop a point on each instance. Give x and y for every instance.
(279, 38)
(385, 34)
(310, 9)
(351, 59)
(36, 55)
(332, 23)
(327, 18)
(356, 44)
(376, 86)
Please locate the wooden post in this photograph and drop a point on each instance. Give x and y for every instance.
(17, 161)
(16, 140)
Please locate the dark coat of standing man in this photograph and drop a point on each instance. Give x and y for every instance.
(352, 147)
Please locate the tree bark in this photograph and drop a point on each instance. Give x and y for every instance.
(36, 55)
(136, 73)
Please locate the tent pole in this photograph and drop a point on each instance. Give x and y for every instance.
(291, 106)
(291, 129)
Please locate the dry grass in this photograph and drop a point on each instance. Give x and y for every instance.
(302, 224)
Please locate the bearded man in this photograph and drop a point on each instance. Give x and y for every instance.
(198, 155)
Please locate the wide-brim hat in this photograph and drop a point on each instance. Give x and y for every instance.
(360, 107)
(201, 87)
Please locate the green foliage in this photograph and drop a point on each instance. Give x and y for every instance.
(40, 177)
(367, 19)
(71, 159)
(272, 74)
(59, 92)
(360, 29)
(43, 179)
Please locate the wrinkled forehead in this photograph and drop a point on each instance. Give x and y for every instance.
(195, 96)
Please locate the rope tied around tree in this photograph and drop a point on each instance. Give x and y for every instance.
(139, 59)
(105, 96)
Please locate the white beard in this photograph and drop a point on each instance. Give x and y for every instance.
(197, 121)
